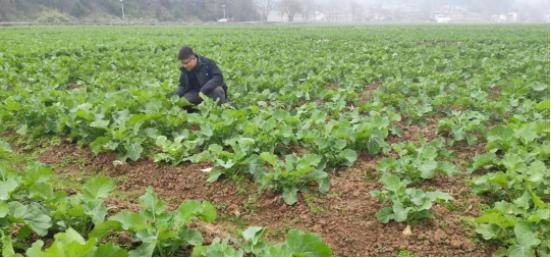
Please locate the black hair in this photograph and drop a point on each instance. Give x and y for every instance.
(185, 53)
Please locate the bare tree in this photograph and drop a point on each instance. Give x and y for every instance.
(242, 10)
(356, 11)
(265, 7)
(291, 8)
(309, 8)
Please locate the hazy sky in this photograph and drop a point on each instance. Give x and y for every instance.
(529, 10)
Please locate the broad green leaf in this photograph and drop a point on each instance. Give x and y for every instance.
(36, 249)
(385, 214)
(537, 200)
(391, 182)
(386, 165)
(518, 250)
(199, 251)
(36, 173)
(4, 209)
(68, 243)
(130, 220)
(525, 235)
(400, 213)
(5, 148)
(7, 186)
(38, 221)
(481, 161)
(214, 174)
(539, 215)
(527, 133)
(540, 86)
(134, 151)
(191, 236)
(208, 213)
(252, 232)
(32, 216)
(437, 195)
(306, 244)
(7, 246)
(100, 123)
(96, 210)
(523, 201)
(290, 196)
(448, 168)
(146, 249)
(496, 217)
(98, 187)
(42, 191)
(269, 157)
(373, 145)
(278, 250)
(488, 231)
(191, 209)
(102, 229)
(151, 203)
(216, 249)
(324, 184)
(12, 105)
(110, 250)
(538, 172)
(428, 168)
(350, 156)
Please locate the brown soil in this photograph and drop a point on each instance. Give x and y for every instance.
(465, 152)
(73, 85)
(172, 183)
(413, 132)
(332, 86)
(495, 92)
(367, 91)
(345, 217)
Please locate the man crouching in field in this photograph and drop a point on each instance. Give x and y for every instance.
(200, 75)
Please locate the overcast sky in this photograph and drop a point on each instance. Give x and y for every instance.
(527, 10)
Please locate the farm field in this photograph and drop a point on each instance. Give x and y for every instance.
(411, 140)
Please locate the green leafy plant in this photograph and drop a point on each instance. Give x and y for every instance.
(71, 243)
(292, 174)
(487, 86)
(406, 204)
(418, 161)
(517, 182)
(32, 208)
(159, 231)
(297, 243)
(464, 126)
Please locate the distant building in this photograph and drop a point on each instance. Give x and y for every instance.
(453, 13)
(319, 16)
(276, 17)
(441, 18)
(505, 17)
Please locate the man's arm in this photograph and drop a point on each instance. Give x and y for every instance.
(182, 87)
(216, 79)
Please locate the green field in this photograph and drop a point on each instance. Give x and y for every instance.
(338, 140)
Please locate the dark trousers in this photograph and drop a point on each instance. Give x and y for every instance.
(217, 94)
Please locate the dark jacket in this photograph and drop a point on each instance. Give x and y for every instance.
(208, 75)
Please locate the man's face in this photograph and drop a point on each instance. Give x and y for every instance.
(189, 63)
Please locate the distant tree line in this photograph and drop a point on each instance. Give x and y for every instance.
(160, 10)
(97, 11)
